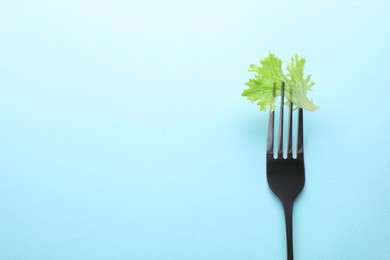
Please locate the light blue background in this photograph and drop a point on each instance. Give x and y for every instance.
(123, 134)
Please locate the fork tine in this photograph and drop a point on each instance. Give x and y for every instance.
(300, 134)
(280, 146)
(270, 137)
(289, 149)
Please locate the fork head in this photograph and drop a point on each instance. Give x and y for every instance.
(285, 176)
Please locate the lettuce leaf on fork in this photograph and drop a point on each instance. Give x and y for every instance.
(266, 84)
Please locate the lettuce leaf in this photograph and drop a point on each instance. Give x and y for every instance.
(266, 84)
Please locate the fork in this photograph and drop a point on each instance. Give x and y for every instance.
(286, 176)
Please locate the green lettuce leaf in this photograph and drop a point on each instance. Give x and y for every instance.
(266, 84)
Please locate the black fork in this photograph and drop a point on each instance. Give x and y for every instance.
(286, 176)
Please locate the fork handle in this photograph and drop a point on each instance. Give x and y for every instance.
(288, 210)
